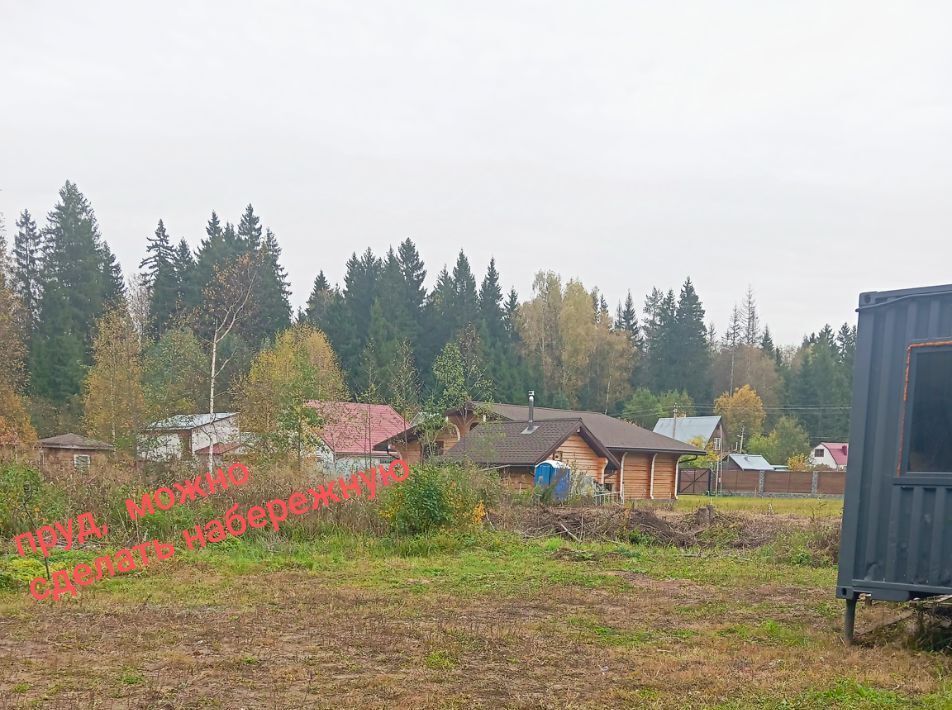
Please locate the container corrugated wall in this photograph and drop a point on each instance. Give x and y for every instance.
(897, 526)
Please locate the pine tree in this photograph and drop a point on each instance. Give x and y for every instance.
(27, 251)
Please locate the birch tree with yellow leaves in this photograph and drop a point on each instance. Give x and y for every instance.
(113, 398)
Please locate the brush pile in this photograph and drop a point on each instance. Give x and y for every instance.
(607, 523)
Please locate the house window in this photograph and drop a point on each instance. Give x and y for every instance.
(81, 462)
(928, 427)
(818, 454)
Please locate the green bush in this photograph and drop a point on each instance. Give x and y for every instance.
(25, 500)
(18, 571)
(435, 497)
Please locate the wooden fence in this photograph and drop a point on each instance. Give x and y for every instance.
(700, 481)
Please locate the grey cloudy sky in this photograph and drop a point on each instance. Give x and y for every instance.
(802, 148)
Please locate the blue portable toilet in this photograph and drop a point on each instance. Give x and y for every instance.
(555, 474)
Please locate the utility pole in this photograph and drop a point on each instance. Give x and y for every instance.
(743, 430)
(674, 429)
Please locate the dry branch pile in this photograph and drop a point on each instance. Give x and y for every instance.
(704, 527)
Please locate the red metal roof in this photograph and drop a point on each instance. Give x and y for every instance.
(353, 428)
(839, 451)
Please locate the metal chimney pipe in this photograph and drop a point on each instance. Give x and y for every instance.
(531, 406)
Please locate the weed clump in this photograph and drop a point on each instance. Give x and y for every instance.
(437, 497)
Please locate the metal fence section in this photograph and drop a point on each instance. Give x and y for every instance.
(695, 481)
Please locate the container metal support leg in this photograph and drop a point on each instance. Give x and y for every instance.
(849, 620)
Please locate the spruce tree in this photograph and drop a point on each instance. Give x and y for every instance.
(464, 305)
(114, 286)
(27, 251)
(490, 304)
(627, 319)
(391, 320)
(413, 273)
(350, 325)
(751, 320)
(272, 312)
(439, 325)
(162, 281)
(80, 279)
(660, 311)
(691, 357)
(249, 229)
(183, 263)
(766, 342)
(213, 255)
(318, 302)
(511, 315)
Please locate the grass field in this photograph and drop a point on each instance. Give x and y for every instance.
(806, 507)
(446, 621)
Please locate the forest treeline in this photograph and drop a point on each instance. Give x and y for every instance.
(87, 350)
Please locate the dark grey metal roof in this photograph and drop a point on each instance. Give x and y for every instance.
(613, 433)
(511, 443)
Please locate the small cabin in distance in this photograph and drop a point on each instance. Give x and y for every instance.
(73, 451)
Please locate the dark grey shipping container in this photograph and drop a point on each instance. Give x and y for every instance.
(897, 520)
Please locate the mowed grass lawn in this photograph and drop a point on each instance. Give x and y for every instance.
(489, 620)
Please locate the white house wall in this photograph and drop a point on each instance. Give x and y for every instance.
(224, 431)
(159, 447)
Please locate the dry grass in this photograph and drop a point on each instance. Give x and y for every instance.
(494, 620)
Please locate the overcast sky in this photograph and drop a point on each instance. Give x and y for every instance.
(804, 149)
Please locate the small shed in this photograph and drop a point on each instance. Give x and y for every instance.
(73, 450)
